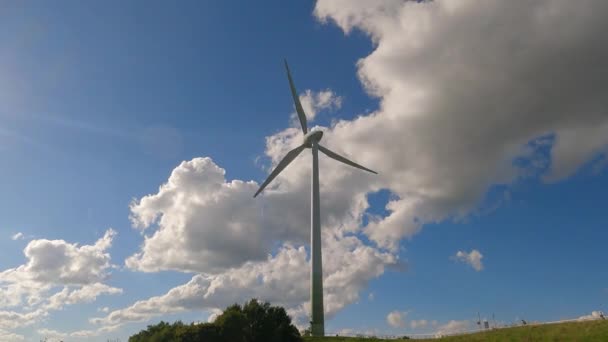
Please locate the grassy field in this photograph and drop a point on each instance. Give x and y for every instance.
(576, 331)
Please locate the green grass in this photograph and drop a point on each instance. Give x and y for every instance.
(346, 339)
(574, 331)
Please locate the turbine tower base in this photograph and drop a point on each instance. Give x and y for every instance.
(317, 329)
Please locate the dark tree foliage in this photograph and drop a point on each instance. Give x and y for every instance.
(233, 324)
(253, 322)
(268, 323)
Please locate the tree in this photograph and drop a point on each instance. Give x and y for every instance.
(207, 332)
(253, 322)
(233, 324)
(269, 323)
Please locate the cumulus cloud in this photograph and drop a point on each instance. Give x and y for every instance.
(85, 294)
(13, 319)
(314, 102)
(203, 221)
(17, 236)
(396, 319)
(453, 327)
(463, 88)
(7, 336)
(215, 313)
(60, 262)
(207, 224)
(472, 258)
(281, 279)
(52, 264)
(83, 335)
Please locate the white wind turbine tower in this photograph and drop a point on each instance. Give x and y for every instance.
(311, 140)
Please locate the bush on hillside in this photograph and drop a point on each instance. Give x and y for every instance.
(252, 322)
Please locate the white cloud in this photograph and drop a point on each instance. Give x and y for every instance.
(460, 101)
(472, 258)
(453, 327)
(420, 323)
(17, 236)
(51, 264)
(6, 336)
(314, 102)
(85, 294)
(396, 319)
(52, 334)
(209, 225)
(281, 279)
(60, 262)
(13, 319)
(203, 221)
(84, 335)
(592, 316)
(215, 313)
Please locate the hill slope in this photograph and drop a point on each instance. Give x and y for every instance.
(572, 331)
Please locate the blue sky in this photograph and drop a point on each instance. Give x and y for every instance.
(477, 148)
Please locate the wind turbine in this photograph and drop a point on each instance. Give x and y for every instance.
(311, 140)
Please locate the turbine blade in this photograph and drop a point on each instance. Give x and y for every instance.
(289, 157)
(338, 157)
(296, 101)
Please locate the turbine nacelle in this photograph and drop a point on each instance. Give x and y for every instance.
(312, 136)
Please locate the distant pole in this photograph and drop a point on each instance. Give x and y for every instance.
(316, 275)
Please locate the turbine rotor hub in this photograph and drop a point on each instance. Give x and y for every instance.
(312, 136)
